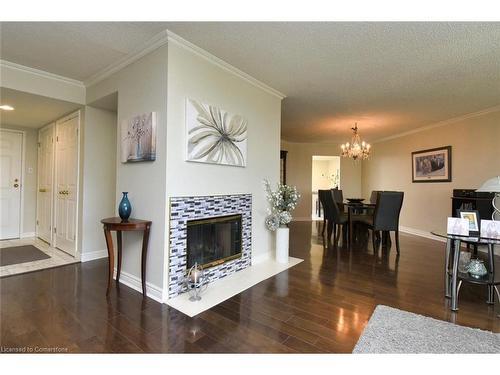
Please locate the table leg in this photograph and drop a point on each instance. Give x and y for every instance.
(119, 251)
(145, 240)
(111, 257)
(454, 290)
(349, 216)
(447, 278)
(491, 289)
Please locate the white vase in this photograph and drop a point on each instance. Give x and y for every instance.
(282, 239)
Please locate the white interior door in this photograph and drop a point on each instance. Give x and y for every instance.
(66, 183)
(45, 182)
(11, 146)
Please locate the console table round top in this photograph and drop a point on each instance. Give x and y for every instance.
(131, 223)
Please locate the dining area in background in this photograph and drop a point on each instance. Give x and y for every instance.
(349, 217)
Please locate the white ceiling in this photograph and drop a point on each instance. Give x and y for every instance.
(388, 77)
(32, 111)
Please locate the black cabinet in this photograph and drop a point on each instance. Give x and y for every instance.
(468, 199)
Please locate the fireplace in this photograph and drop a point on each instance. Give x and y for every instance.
(213, 241)
(193, 210)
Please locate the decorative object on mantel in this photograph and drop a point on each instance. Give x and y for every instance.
(357, 149)
(124, 208)
(214, 135)
(433, 165)
(138, 138)
(195, 281)
(283, 200)
(493, 186)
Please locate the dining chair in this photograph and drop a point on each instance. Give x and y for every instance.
(338, 197)
(333, 216)
(373, 196)
(385, 218)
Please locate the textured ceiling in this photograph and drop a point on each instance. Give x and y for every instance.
(388, 77)
(32, 111)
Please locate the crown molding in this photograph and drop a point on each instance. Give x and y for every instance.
(174, 38)
(41, 73)
(165, 37)
(438, 124)
(152, 44)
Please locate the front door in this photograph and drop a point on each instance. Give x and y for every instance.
(11, 145)
(66, 184)
(45, 182)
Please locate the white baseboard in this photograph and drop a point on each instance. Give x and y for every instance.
(27, 235)
(261, 257)
(134, 282)
(425, 234)
(421, 233)
(93, 255)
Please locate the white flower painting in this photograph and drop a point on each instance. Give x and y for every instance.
(138, 138)
(214, 135)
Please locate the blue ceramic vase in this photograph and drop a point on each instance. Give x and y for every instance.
(125, 208)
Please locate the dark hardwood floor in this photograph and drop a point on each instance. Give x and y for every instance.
(320, 305)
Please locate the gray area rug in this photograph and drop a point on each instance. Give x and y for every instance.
(20, 254)
(392, 330)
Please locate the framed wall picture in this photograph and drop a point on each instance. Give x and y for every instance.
(474, 221)
(214, 135)
(433, 165)
(138, 138)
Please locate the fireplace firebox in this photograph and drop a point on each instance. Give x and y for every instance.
(214, 240)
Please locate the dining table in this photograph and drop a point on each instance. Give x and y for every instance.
(355, 206)
(454, 277)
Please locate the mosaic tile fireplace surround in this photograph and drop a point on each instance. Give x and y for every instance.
(183, 209)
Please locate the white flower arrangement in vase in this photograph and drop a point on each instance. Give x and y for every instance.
(283, 200)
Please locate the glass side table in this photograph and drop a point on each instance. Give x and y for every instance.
(454, 278)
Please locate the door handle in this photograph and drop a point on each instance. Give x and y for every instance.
(16, 185)
(42, 190)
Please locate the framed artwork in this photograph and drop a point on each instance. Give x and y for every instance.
(458, 226)
(490, 229)
(433, 165)
(138, 138)
(215, 136)
(473, 217)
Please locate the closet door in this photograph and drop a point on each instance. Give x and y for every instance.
(45, 182)
(66, 183)
(11, 144)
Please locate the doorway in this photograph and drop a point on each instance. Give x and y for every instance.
(11, 159)
(325, 175)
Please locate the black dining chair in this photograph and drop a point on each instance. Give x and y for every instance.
(332, 214)
(373, 196)
(385, 218)
(338, 197)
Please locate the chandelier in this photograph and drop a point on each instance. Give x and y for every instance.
(356, 149)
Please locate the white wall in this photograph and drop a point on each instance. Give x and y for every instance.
(98, 152)
(299, 172)
(142, 87)
(30, 185)
(192, 76)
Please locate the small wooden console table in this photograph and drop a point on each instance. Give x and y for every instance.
(116, 224)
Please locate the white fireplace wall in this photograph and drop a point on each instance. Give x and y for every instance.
(194, 74)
